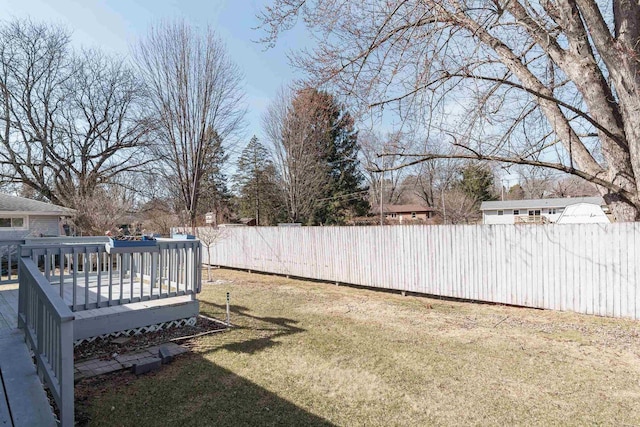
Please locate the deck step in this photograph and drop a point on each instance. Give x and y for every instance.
(27, 400)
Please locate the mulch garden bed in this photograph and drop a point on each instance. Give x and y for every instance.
(106, 347)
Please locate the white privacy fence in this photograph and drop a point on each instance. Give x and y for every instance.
(586, 268)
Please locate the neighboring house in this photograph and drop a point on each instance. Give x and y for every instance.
(21, 217)
(544, 210)
(407, 214)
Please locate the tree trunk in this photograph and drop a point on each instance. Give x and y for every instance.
(622, 210)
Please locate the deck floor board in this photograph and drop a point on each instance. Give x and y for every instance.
(138, 290)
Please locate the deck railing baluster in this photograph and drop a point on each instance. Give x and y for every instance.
(87, 256)
(121, 262)
(131, 276)
(110, 267)
(142, 257)
(8, 264)
(74, 281)
(99, 278)
(47, 265)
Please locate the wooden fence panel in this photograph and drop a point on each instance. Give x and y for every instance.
(586, 268)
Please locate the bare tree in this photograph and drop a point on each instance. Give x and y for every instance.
(383, 177)
(554, 84)
(458, 207)
(572, 186)
(434, 177)
(70, 123)
(158, 216)
(537, 183)
(209, 236)
(108, 208)
(195, 94)
(293, 125)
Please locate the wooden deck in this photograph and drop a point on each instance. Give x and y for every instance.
(123, 290)
(106, 320)
(23, 401)
(8, 307)
(109, 319)
(101, 309)
(74, 289)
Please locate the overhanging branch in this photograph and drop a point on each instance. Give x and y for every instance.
(475, 155)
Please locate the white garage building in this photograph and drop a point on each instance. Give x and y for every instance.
(542, 211)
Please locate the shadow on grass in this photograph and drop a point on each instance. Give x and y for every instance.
(271, 328)
(193, 391)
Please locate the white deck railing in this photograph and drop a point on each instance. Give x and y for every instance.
(47, 323)
(87, 276)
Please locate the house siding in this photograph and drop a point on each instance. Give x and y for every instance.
(47, 226)
(491, 217)
(38, 225)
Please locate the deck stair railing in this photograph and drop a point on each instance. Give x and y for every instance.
(47, 323)
(62, 275)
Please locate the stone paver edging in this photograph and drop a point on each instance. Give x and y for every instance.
(151, 355)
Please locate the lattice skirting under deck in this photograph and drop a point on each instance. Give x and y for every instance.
(189, 321)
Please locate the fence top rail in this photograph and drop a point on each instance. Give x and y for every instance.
(43, 287)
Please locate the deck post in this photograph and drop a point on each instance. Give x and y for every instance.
(66, 374)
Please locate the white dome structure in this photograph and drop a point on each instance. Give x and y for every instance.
(583, 213)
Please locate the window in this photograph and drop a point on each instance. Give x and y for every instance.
(552, 211)
(413, 214)
(500, 212)
(15, 222)
(393, 215)
(534, 212)
(516, 212)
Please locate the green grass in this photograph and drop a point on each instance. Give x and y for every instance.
(307, 353)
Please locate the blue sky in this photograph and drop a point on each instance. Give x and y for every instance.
(114, 25)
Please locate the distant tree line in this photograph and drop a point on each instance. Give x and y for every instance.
(148, 140)
(110, 137)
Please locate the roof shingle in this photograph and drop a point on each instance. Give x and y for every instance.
(20, 204)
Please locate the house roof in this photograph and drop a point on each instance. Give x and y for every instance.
(540, 203)
(14, 204)
(405, 208)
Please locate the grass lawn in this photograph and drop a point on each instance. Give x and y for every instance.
(306, 353)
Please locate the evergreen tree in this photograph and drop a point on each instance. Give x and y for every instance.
(477, 182)
(346, 191)
(317, 148)
(256, 178)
